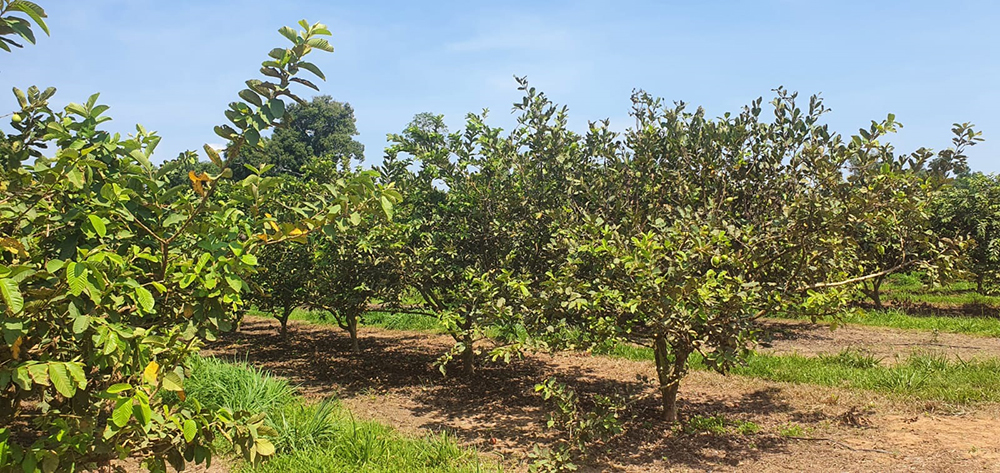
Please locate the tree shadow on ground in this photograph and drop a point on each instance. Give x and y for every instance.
(497, 408)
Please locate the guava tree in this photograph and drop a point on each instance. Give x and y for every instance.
(356, 267)
(112, 275)
(895, 238)
(696, 227)
(478, 208)
(971, 208)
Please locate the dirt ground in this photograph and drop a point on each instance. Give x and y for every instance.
(496, 411)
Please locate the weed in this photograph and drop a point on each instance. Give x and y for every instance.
(852, 359)
(791, 430)
(713, 425)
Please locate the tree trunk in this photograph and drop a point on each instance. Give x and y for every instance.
(875, 292)
(468, 356)
(669, 372)
(979, 283)
(285, 313)
(352, 328)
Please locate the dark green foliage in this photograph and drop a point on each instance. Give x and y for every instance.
(971, 208)
(319, 129)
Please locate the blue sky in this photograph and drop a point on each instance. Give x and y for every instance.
(174, 65)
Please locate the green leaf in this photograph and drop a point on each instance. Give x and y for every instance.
(264, 447)
(35, 12)
(39, 373)
(234, 282)
(145, 298)
(189, 429)
(312, 68)
(80, 324)
(251, 97)
(141, 158)
(118, 388)
(98, 224)
(387, 207)
(122, 412)
(76, 277)
(60, 379)
(277, 108)
(290, 34)
(213, 155)
(252, 136)
(172, 382)
(11, 295)
(76, 372)
(145, 414)
(355, 218)
(21, 99)
(249, 259)
(320, 43)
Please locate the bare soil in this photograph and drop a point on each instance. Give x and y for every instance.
(802, 427)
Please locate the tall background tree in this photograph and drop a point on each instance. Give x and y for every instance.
(319, 129)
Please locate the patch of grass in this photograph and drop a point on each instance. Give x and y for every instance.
(713, 425)
(791, 430)
(981, 326)
(851, 358)
(301, 426)
(919, 376)
(910, 288)
(322, 436)
(397, 321)
(387, 320)
(747, 428)
(373, 447)
(237, 385)
(719, 425)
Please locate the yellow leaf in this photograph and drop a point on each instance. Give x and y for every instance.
(262, 236)
(15, 349)
(274, 226)
(13, 246)
(150, 372)
(196, 181)
(296, 232)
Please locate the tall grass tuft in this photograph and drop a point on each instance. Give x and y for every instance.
(238, 386)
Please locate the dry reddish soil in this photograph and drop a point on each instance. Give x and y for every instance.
(891, 345)
(497, 411)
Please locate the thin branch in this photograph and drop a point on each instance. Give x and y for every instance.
(857, 279)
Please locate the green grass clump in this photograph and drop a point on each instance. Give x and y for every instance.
(920, 376)
(398, 321)
(909, 288)
(984, 326)
(387, 320)
(322, 436)
(373, 447)
(710, 424)
(301, 426)
(238, 386)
